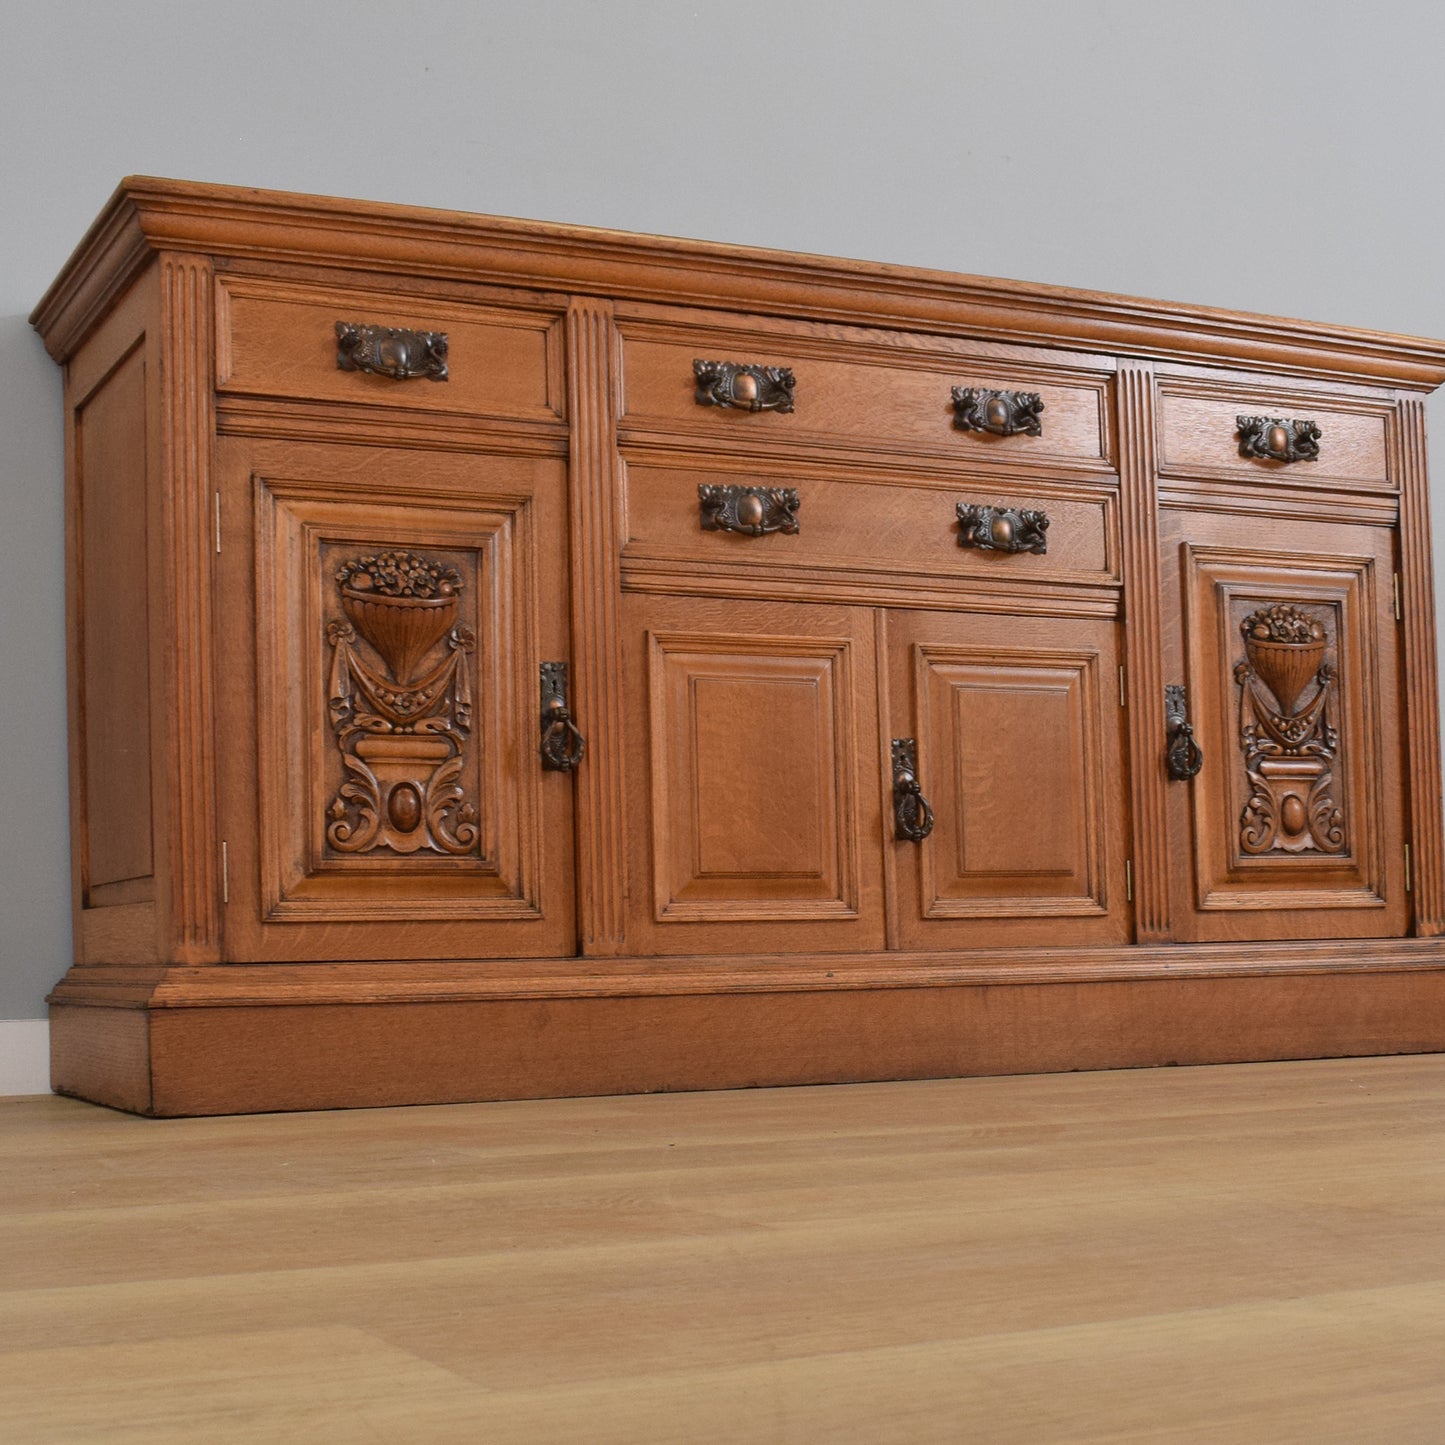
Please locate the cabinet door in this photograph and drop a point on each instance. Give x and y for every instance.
(756, 815)
(1286, 646)
(1016, 727)
(384, 616)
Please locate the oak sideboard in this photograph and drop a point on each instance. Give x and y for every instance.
(510, 659)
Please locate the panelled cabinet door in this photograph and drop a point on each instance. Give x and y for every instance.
(1288, 653)
(1017, 728)
(752, 767)
(384, 615)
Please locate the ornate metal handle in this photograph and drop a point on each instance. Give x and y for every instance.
(1002, 529)
(1183, 758)
(742, 386)
(391, 351)
(562, 745)
(912, 817)
(749, 510)
(1278, 438)
(1004, 413)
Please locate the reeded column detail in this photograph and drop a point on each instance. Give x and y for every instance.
(595, 502)
(1143, 644)
(187, 502)
(1422, 701)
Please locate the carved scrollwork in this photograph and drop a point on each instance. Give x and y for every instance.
(1002, 529)
(391, 351)
(1278, 439)
(749, 510)
(401, 735)
(1289, 750)
(742, 386)
(1002, 413)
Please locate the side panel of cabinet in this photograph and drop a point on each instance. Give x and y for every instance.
(385, 616)
(1293, 827)
(1017, 729)
(753, 745)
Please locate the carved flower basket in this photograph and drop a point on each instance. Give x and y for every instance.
(1285, 646)
(402, 629)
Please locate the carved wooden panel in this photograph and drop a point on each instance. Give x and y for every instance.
(398, 610)
(1019, 754)
(757, 717)
(1294, 820)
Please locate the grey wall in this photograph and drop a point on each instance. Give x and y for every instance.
(1271, 157)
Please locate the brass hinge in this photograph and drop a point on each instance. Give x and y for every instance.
(1129, 880)
(1409, 877)
(1399, 611)
(218, 524)
(1122, 702)
(225, 874)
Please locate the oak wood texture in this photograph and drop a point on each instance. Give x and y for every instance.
(500, 522)
(756, 813)
(312, 604)
(1200, 435)
(148, 214)
(1234, 1253)
(886, 525)
(856, 390)
(278, 338)
(1338, 573)
(265, 1057)
(1018, 726)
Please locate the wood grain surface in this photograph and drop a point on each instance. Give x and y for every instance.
(1239, 1253)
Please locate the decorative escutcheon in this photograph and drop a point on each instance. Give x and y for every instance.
(562, 744)
(749, 510)
(391, 351)
(742, 386)
(1278, 439)
(1003, 413)
(1002, 529)
(1183, 758)
(912, 817)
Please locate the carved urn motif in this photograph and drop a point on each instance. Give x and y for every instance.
(1285, 647)
(401, 731)
(1289, 750)
(403, 605)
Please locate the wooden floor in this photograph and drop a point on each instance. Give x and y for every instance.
(1245, 1253)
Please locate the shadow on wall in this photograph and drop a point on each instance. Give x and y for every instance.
(34, 845)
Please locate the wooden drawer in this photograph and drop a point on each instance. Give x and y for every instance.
(1200, 433)
(876, 526)
(279, 339)
(881, 392)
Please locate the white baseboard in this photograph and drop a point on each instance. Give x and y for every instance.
(24, 1056)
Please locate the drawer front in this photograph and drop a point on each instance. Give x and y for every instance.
(870, 526)
(1201, 435)
(878, 392)
(280, 339)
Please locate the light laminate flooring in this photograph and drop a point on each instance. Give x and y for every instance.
(1248, 1253)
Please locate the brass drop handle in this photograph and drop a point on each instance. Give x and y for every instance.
(1184, 757)
(391, 351)
(1278, 438)
(562, 744)
(912, 817)
(743, 386)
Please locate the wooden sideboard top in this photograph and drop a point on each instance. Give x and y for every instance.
(146, 215)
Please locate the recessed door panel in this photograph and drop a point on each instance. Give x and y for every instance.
(759, 733)
(1293, 824)
(1018, 755)
(402, 607)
